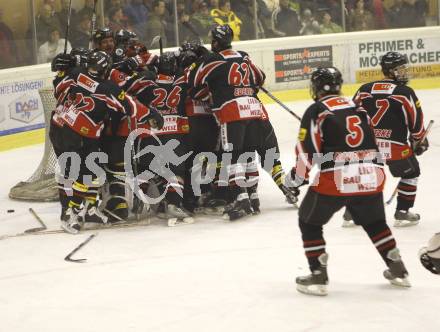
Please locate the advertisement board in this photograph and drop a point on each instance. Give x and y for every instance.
(423, 55)
(297, 64)
(20, 106)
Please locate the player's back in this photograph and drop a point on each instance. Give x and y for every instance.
(395, 112)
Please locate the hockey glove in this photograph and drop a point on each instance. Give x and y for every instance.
(63, 62)
(293, 181)
(140, 61)
(155, 119)
(420, 147)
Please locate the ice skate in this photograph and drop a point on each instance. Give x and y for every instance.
(316, 282)
(396, 272)
(255, 203)
(94, 215)
(71, 225)
(348, 220)
(405, 218)
(291, 195)
(254, 199)
(239, 209)
(177, 216)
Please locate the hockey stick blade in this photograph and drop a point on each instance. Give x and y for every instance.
(69, 258)
(155, 41)
(36, 229)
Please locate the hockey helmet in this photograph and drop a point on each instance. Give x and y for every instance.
(167, 64)
(222, 36)
(99, 64)
(102, 34)
(325, 81)
(430, 255)
(395, 65)
(188, 53)
(81, 54)
(123, 37)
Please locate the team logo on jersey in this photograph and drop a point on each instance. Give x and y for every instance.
(302, 134)
(383, 88)
(87, 83)
(338, 103)
(405, 153)
(121, 96)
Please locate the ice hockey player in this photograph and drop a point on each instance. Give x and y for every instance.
(396, 115)
(430, 255)
(230, 80)
(170, 177)
(336, 134)
(86, 98)
(104, 40)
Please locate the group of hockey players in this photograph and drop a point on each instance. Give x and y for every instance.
(207, 102)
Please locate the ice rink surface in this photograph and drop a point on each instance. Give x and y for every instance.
(214, 276)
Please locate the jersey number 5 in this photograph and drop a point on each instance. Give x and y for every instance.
(356, 134)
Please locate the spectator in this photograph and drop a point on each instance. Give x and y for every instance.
(81, 36)
(52, 46)
(395, 15)
(213, 4)
(328, 26)
(202, 22)
(186, 30)
(116, 19)
(360, 19)
(309, 26)
(414, 13)
(245, 10)
(379, 13)
(156, 24)
(137, 14)
(224, 15)
(45, 22)
(8, 51)
(285, 20)
(63, 14)
(87, 9)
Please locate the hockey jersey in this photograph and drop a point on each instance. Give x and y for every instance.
(165, 97)
(229, 80)
(337, 137)
(85, 103)
(396, 115)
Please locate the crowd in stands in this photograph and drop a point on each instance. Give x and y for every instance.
(149, 18)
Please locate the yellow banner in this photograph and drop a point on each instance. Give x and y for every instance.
(420, 71)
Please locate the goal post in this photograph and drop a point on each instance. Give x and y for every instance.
(41, 185)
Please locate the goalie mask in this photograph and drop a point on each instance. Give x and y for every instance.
(430, 255)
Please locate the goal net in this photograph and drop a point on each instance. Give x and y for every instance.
(41, 186)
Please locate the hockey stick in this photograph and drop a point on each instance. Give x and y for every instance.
(425, 135)
(193, 30)
(67, 26)
(69, 258)
(93, 25)
(157, 39)
(279, 102)
(36, 229)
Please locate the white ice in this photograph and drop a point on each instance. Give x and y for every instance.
(214, 276)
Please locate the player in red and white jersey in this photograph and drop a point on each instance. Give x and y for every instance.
(337, 137)
(165, 97)
(86, 99)
(398, 121)
(230, 79)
